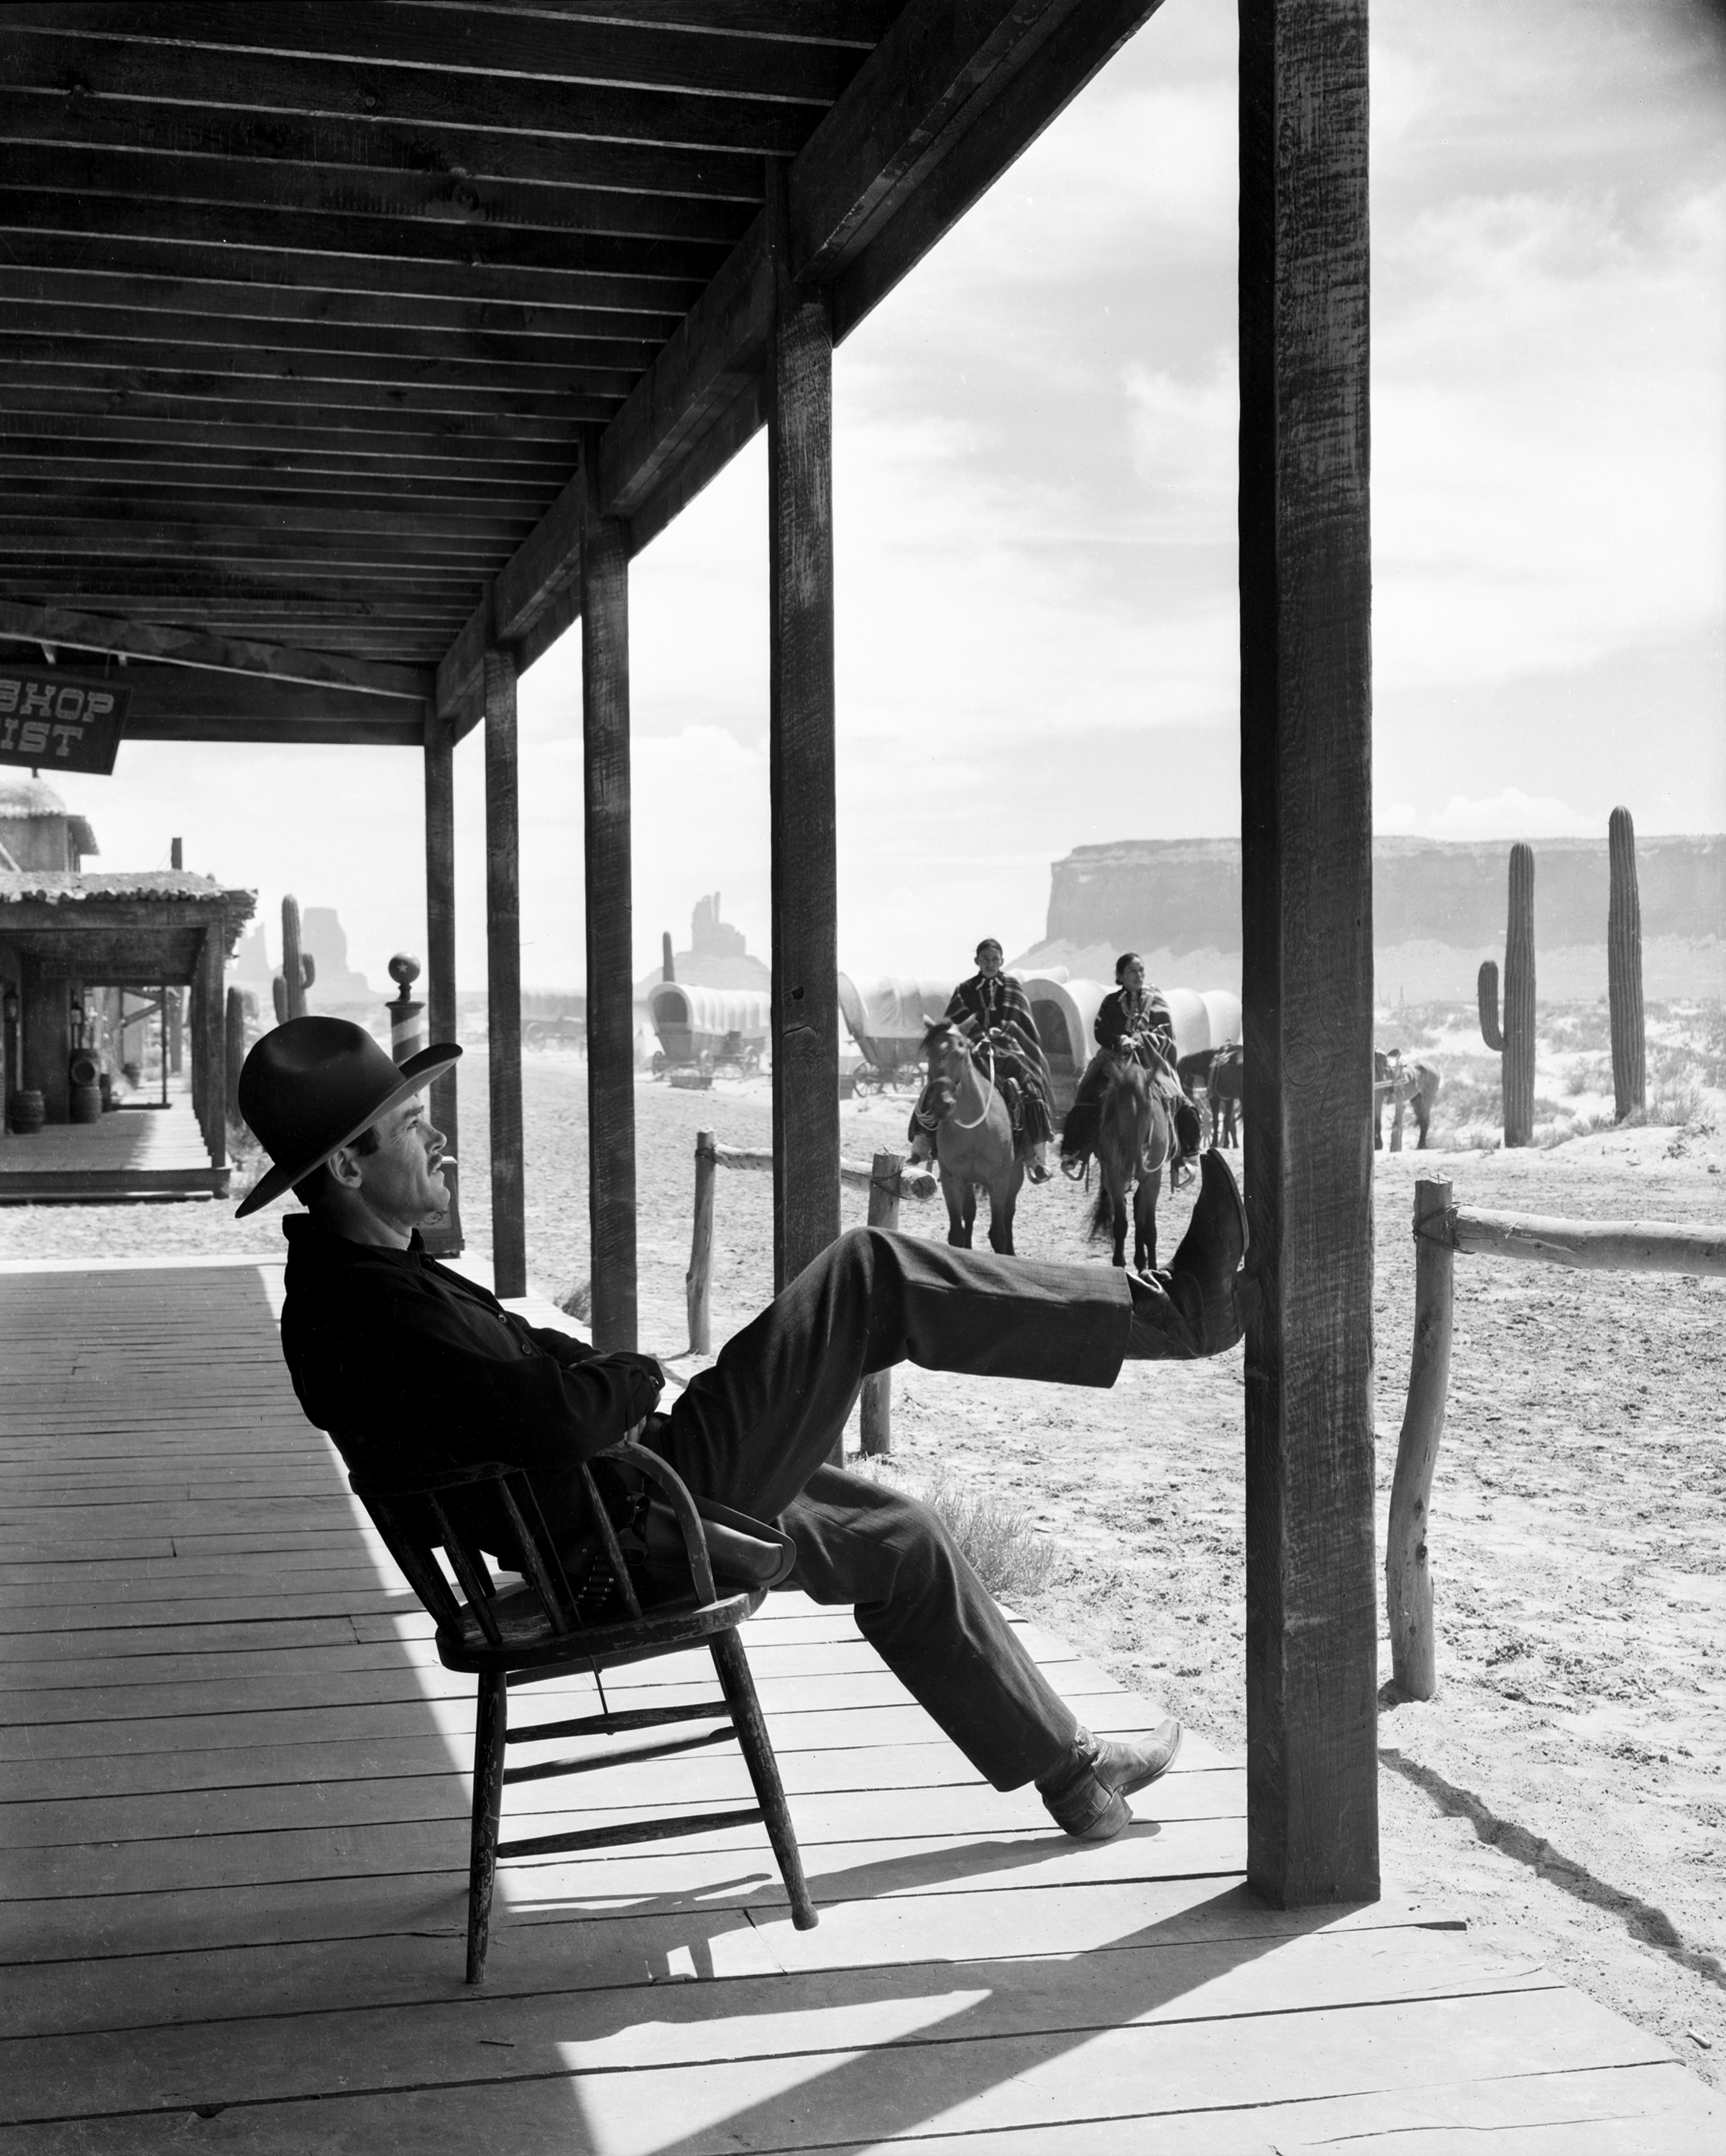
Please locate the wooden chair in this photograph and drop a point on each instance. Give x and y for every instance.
(522, 1633)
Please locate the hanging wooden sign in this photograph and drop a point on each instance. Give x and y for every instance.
(64, 721)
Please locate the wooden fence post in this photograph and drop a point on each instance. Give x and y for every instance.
(1408, 1574)
(875, 1414)
(699, 1278)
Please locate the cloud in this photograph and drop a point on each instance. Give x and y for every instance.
(1509, 814)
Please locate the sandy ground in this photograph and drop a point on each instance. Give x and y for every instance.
(1565, 1790)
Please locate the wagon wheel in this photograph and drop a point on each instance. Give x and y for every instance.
(864, 1080)
(533, 1036)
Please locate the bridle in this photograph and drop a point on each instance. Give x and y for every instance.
(953, 1116)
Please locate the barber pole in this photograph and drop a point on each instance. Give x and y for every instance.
(407, 1019)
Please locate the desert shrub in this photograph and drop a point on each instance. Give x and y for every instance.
(578, 1302)
(1674, 1100)
(1563, 1027)
(1011, 1559)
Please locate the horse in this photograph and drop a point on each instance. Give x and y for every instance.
(973, 1141)
(1224, 1090)
(1416, 1083)
(1134, 1138)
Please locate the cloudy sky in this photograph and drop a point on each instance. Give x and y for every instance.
(1035, 507)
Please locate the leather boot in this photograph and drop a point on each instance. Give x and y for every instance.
(1198, 1307)
(1086, 1794)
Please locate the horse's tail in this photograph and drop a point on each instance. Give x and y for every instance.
(1103, 1214)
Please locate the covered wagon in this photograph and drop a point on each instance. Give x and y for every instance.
(699, 1028)
(1065, 1010)
(887, 1015)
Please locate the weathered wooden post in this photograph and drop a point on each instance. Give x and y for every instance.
(874, 1415)
(668, 964)
(1514, 1041)
(1307, 915)
(698, 1280)
(610, 929)
(805, 874)
(1624, 969)
(211, 1048)
(503, 976)
(236, 1038)
(446, 1240)
(1408, 1573)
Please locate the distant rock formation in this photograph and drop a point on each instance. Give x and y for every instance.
(717, 957)
(337, 985)
(1438, 909)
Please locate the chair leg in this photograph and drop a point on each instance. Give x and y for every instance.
(492, 1721)
(738, 1687)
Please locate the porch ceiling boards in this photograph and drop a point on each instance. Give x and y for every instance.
(310, 313)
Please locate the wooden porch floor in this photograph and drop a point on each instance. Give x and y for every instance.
(140, 1152)
(235, 1825)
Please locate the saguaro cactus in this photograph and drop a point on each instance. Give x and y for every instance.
(1624, 968)
(298, 971)
(1515, 1039)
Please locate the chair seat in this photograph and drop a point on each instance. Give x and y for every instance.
(530, 1641)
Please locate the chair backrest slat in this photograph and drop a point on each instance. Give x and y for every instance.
(539, 1555)
(418, 1567)
(613, 1548)
(470, 1569)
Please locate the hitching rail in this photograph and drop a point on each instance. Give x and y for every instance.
(886, 1178)
(1441, 1231)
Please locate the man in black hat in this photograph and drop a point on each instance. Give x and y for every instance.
(408, 1366)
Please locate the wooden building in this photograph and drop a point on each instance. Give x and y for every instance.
(349, 354)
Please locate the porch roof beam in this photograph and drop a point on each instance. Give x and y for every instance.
(164, 645)
(947, 87)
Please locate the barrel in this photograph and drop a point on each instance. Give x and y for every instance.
(106, 1085)
(27, 1111)
(86, 1104)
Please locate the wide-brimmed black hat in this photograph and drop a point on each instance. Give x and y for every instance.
(313, 1085)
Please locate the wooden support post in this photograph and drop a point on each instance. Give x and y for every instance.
(1408, 1577)
(1305, 747)
(444, 1241)
(212, 1025)
(698, 1280)
(503, 976)
(611, 1008)
(176, 1031)
(235, 1054)
(802, 819)
(875, 1417)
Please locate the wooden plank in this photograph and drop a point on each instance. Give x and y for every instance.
(460, 691)
(372, 152)
(456, 200)
(1306, 721)
(1015, 2041)
(503, 975)
(606, 837)
(170, 645)
(532, 51)
(801, 816)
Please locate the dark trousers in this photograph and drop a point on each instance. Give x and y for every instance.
(755, 1431)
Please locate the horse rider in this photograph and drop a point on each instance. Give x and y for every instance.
(1133, 1021)
(993, 1011)
(412, 1368)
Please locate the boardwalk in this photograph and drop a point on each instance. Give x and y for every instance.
(151, 1152)
(235, 1825)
